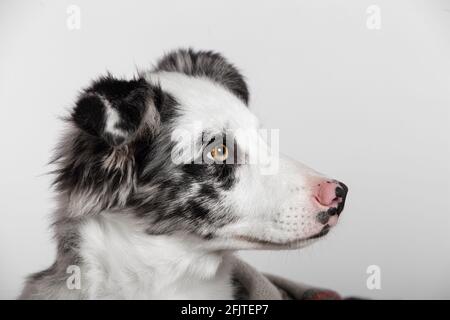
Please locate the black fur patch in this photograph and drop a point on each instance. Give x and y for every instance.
(128, 98)
(208, 190)
(209, 64)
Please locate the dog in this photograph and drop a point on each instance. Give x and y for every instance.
(156, 187)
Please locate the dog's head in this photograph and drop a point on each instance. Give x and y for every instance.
(178, 149)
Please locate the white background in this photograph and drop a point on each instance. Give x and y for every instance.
(369, 107)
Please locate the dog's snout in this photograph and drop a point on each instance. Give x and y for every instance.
(331, 197)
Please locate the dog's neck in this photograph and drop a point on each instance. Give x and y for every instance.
(121, 261)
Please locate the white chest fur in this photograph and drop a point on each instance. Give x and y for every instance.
(121, 261)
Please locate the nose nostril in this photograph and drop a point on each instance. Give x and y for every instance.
(341, 190)
(344, 187)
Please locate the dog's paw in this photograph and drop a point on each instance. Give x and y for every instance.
(319, 294)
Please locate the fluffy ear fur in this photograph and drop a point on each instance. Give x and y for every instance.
(96, 162)
(113, 109)
(206, 64)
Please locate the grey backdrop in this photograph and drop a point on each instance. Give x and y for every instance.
(368, 106)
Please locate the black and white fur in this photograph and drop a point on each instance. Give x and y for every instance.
(142, 226)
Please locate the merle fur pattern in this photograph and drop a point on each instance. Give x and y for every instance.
(127, 167)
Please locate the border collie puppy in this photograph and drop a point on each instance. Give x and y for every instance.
(161, 177)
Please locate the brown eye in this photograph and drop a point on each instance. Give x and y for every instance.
(219, 153)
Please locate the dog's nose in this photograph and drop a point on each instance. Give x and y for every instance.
(332, 194)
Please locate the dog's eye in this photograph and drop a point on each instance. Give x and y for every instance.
(219, 153)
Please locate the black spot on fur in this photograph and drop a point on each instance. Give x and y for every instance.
(207, 190)
(89, 114)
(129, 98)
(193, 170)
(197, 210)
(323, 217)
(208, 236)
(166, 104)
(225, 175)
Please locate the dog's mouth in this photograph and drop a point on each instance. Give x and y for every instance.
(322, 233)
(325, 230)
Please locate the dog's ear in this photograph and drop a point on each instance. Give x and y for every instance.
(115, 110)
(96, 163)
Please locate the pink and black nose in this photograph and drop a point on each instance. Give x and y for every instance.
(330, 196)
